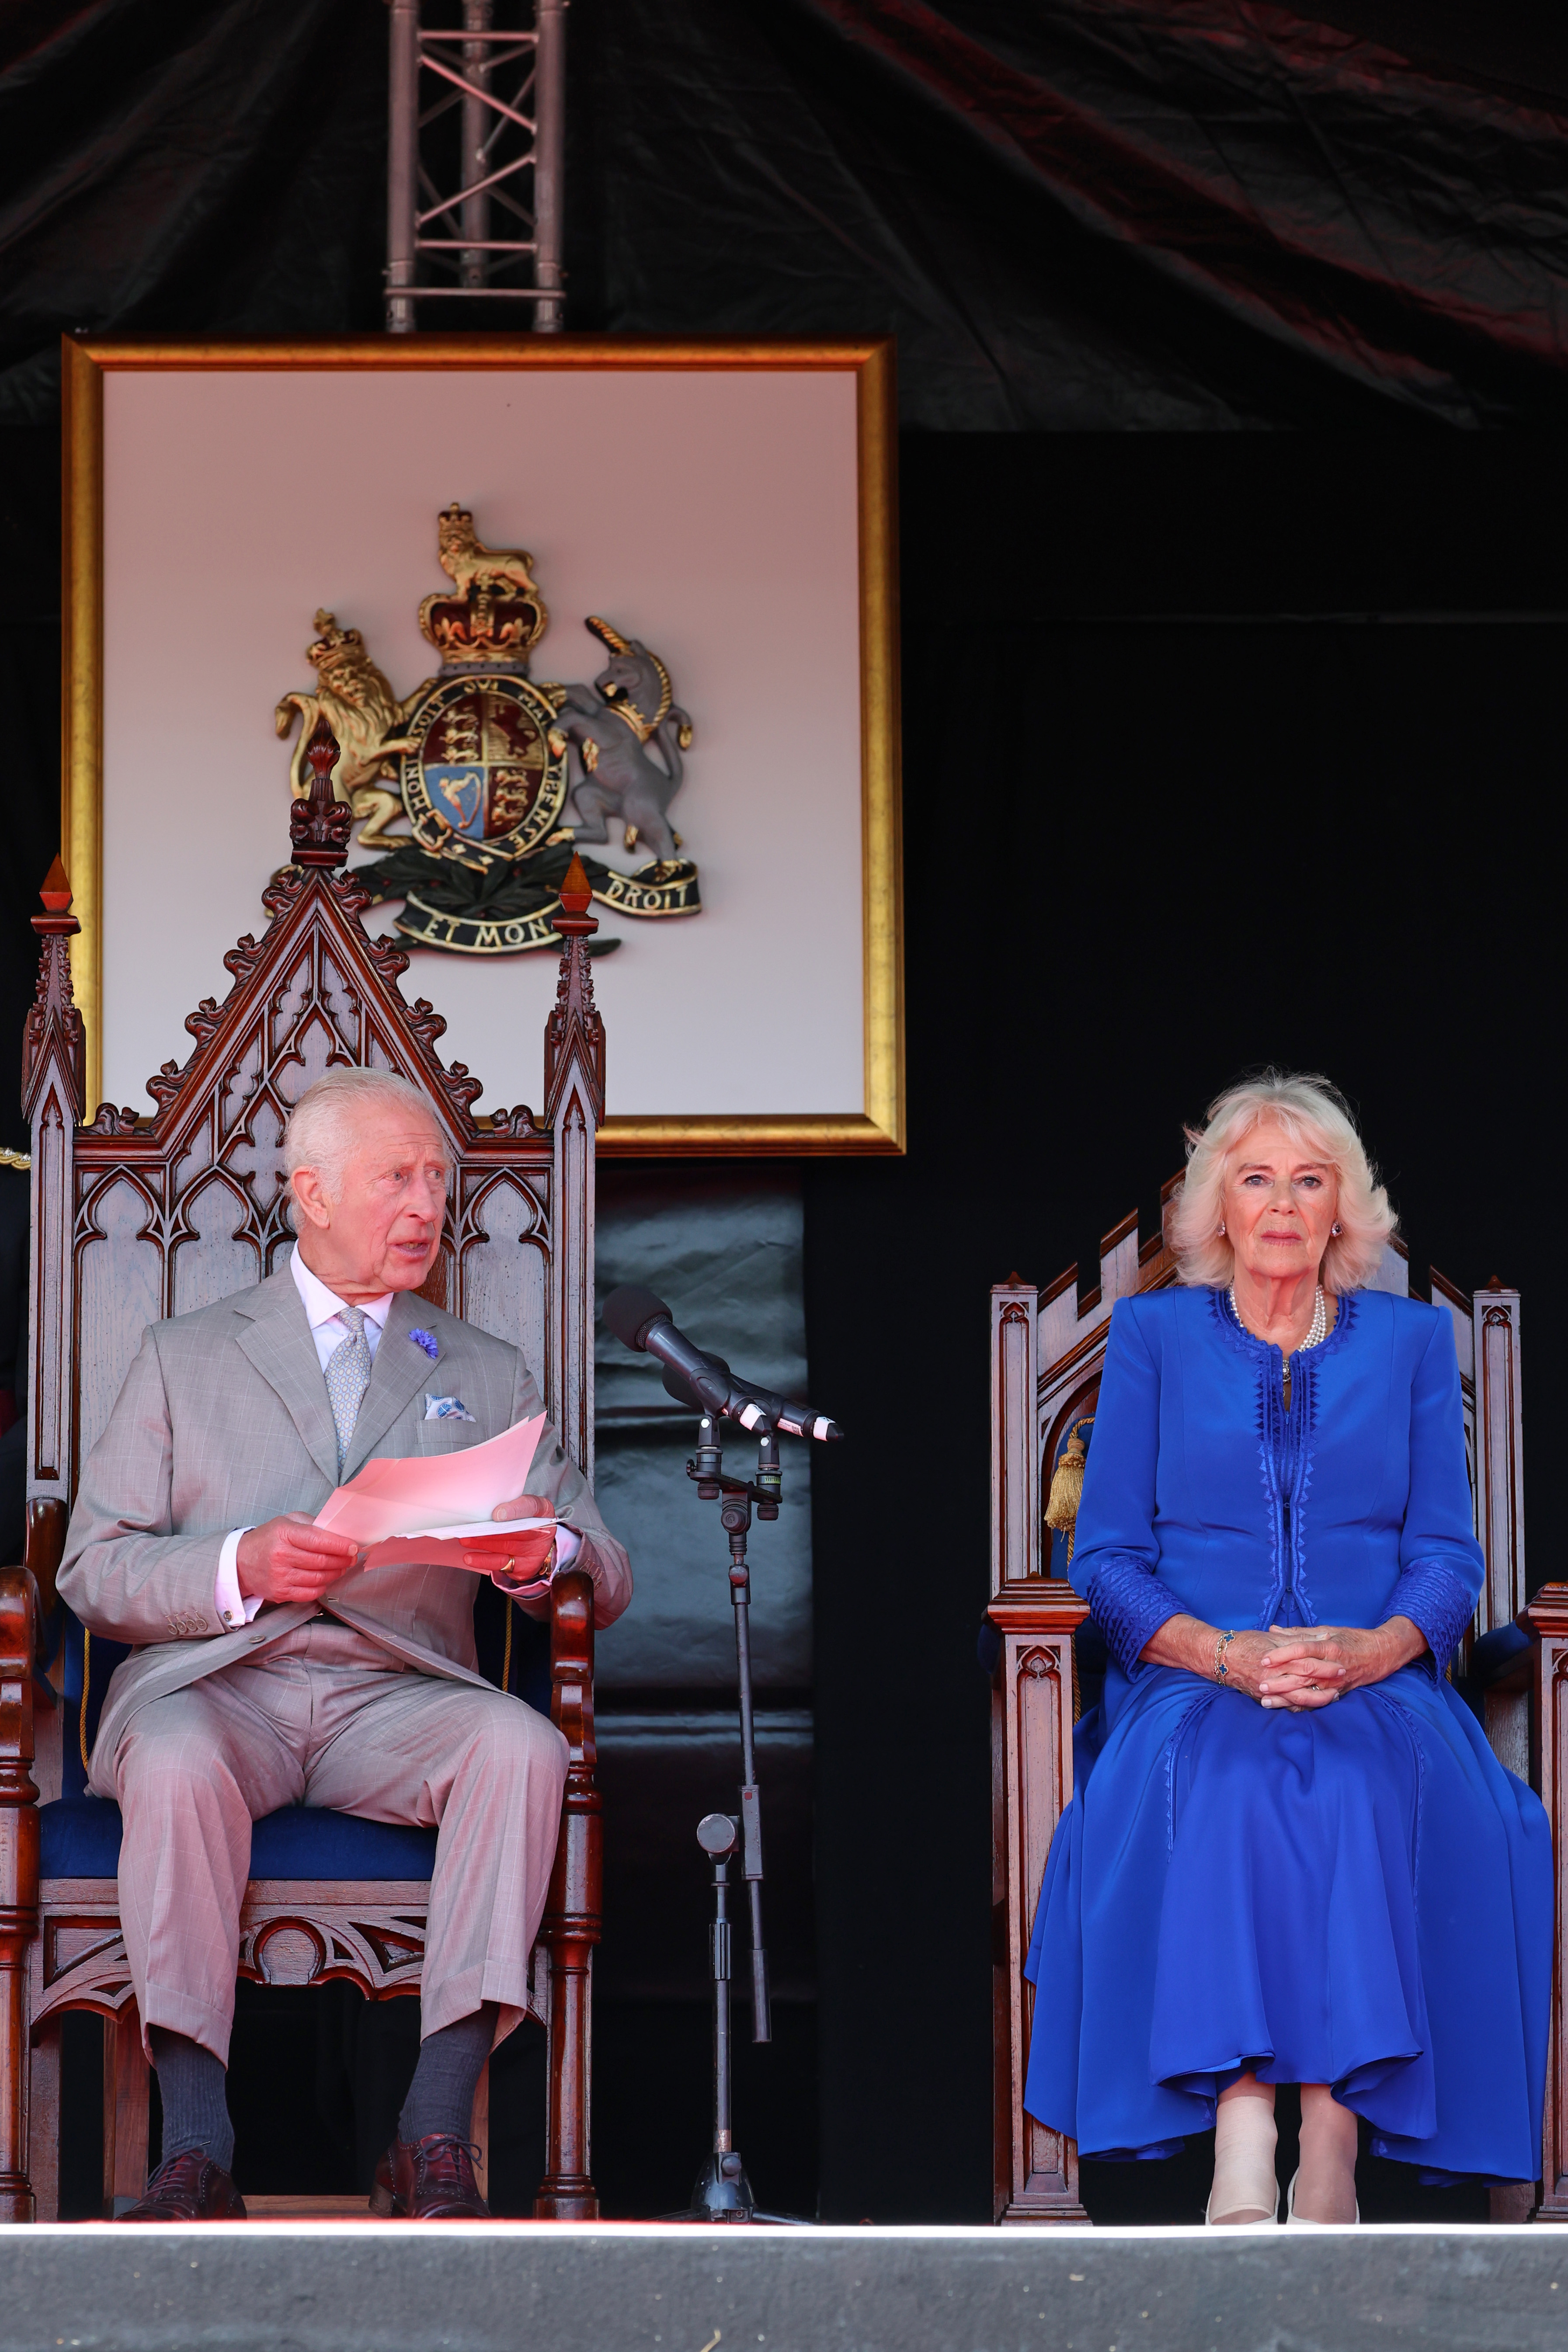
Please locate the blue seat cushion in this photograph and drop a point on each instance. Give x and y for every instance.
(80, 1835)
(79, 1838)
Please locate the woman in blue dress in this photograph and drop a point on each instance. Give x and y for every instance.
(1291, 1855)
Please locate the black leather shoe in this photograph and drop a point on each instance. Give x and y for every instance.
(188, 2187)
(429, 2180)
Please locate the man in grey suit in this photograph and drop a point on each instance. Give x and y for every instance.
(270, 1667)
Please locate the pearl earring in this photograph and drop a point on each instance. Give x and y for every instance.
(1222, 1224)
(1338, 1227)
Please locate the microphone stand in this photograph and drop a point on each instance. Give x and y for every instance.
(722, 2192)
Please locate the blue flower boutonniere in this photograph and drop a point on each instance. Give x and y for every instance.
(429, 1341)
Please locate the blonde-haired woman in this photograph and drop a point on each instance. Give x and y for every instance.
(1290, 1856)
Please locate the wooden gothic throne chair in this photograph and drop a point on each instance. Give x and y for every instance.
(136, 1218)
(1048, 1351)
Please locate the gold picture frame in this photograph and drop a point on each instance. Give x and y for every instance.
(879, 1127)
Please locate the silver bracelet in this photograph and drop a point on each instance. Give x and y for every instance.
(1221, 1671)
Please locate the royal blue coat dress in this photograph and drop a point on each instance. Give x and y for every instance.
(1359, 1895)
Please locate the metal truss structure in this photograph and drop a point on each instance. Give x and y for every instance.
(477, 123)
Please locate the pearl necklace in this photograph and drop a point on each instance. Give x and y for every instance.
(1317, 1329)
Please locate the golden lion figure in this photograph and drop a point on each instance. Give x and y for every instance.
(366, 718)
(468, 563)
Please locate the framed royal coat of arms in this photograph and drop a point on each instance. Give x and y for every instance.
(555, 596)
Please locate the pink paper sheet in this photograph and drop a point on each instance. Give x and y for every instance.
(421, 1495)
(442, 1547)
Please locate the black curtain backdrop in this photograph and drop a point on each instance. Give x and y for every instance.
(1221, 746)
(1155, 833)
(1089, 213)
(1075, 213)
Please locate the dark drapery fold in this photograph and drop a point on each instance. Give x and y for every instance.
(1082, 213)
(177, 166)
(1092, 212)
(1405, 227)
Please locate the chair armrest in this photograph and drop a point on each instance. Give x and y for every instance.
(19, 1616)
(572, 1666)
(48, 1520)
(18, 1791)
(1503, 1659)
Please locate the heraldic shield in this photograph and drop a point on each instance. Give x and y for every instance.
(482, 767)
(500, 779)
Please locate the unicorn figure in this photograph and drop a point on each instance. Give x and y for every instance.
(614, 726)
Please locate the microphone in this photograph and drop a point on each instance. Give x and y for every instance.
(643, 1322)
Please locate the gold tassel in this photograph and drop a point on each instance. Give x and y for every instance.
(1067, 1485)
(82, 1712)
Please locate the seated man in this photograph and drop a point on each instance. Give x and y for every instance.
(270, 1669)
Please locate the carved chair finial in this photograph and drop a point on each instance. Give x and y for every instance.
(318, 822)
(53, 1036)
(575, 898)
(575, 1033)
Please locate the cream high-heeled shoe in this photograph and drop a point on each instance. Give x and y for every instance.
(1294, 2220)
(1245, 2142)
(1264, 2221)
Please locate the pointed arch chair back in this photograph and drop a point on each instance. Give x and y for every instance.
(137, 1218)
(1048, 1353)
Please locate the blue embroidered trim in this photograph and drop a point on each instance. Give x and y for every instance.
(1284, 1446)
(1200, 1706)
(429, 1341)
(1236, 1332)
(1270, 1412)
(1400, 1716)
(1305, 1381)
(1129, 1605)
(1435, 1600)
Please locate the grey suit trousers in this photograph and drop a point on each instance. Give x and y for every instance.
(328, 1716)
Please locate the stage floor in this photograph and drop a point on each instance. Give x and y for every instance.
(325, 2286)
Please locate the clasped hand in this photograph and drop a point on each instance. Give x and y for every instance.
(291, 1558)
(1305, 1666)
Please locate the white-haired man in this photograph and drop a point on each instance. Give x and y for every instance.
(271, 1668)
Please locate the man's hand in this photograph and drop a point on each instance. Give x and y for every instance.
(515, 1558)
(291, 1558)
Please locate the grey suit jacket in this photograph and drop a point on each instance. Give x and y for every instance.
(224, 1422)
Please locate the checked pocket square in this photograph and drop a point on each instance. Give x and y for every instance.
(445, 1409)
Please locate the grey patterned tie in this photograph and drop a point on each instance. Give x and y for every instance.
(348, 1376)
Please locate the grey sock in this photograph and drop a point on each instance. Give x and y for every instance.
(441, 2095)
(192, 2086)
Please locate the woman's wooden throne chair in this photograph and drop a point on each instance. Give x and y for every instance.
(137, 1218)
(1047, 1351)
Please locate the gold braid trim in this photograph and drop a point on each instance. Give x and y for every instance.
(81, 1713)
(506, 1653)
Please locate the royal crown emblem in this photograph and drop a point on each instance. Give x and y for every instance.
(498, 615)
(500, 779)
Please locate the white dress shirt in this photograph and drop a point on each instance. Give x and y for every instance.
(324, 1310)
